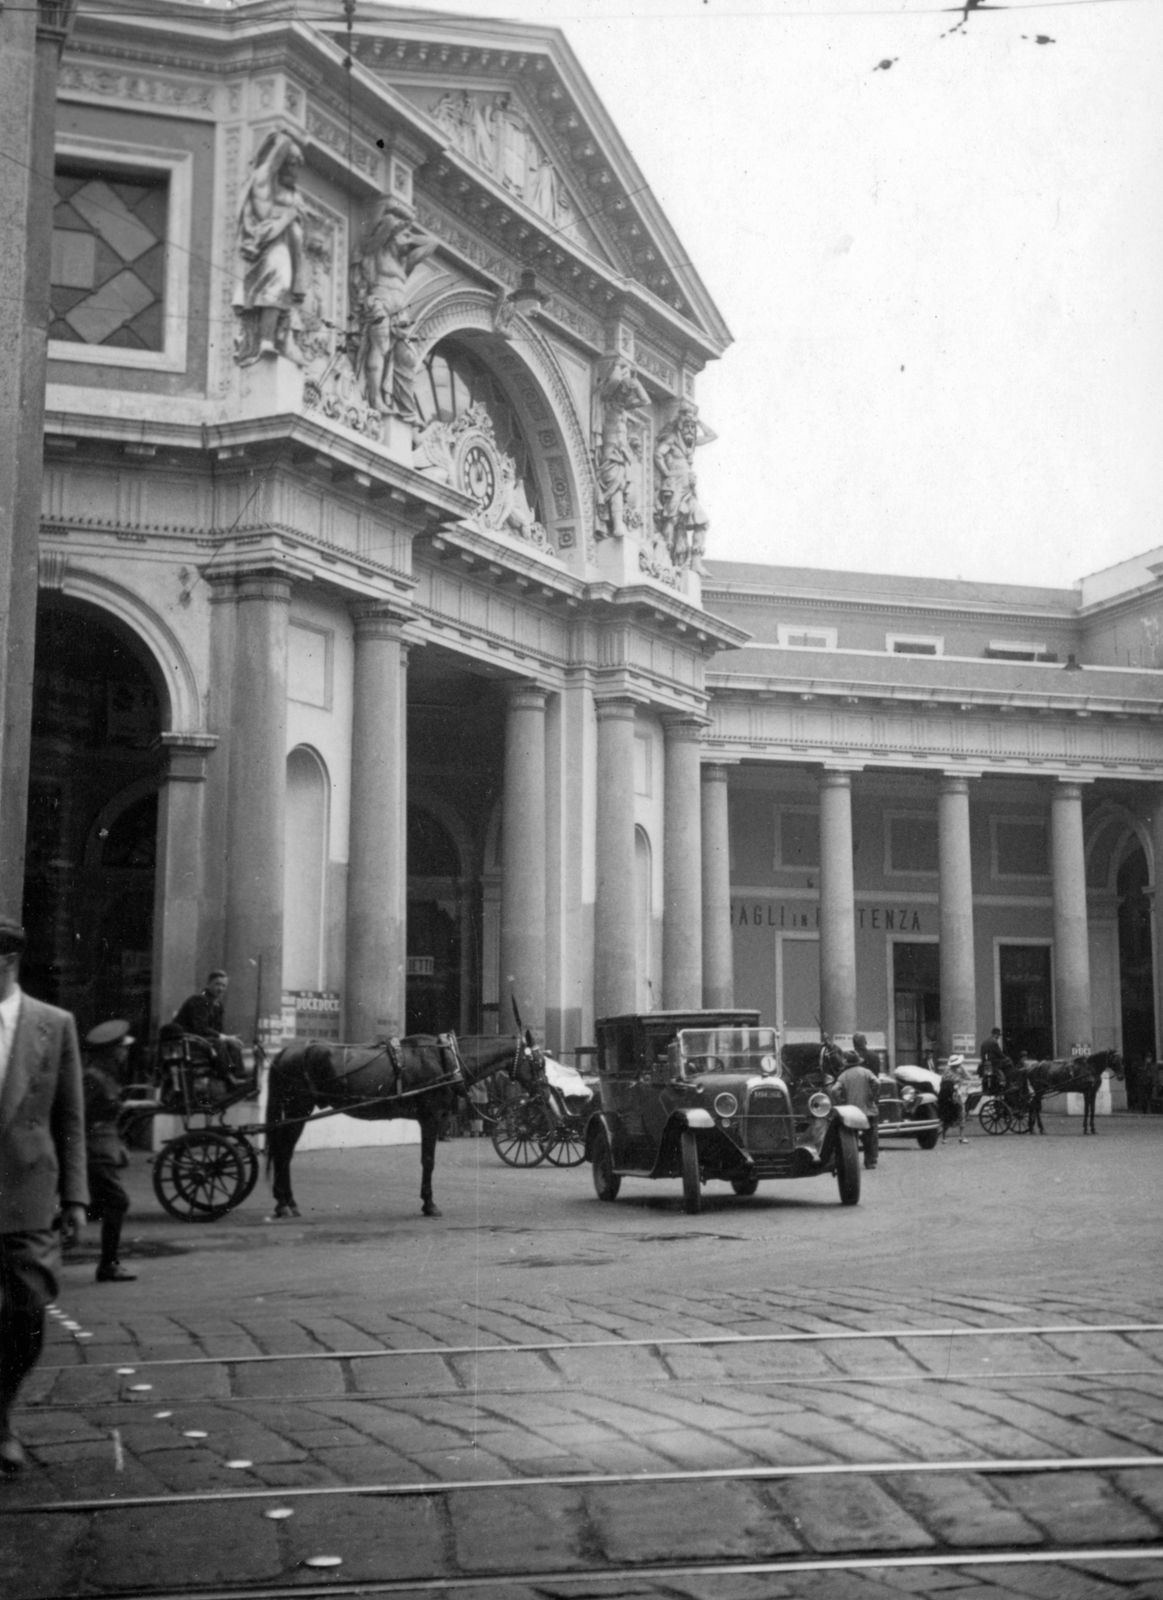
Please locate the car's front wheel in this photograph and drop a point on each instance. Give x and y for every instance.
(692, 1194)
(848, 1167)
(928, 1140)
(606, 1180)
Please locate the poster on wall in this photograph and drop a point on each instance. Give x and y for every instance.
(311, 1014)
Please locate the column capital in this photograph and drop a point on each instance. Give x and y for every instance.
(1069, 788)
(617, 707)
(186, 755)
(272, 583)
(681, 727)
(716, 771)
(954, 783)
(526, 695)
(375, 621)
(837, 777)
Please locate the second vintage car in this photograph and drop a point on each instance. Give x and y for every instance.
(702, 1095)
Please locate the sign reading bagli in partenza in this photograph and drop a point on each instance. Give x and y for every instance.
(773, 914)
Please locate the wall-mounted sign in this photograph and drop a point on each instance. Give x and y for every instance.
(774, 914)
(311, 1013)
(421, 967)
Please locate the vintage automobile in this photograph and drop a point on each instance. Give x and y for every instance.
(702, 1095)
(908, 1105)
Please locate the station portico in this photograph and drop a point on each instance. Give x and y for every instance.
(378, 659)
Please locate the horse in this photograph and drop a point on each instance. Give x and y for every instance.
(417, 1078)
(1082, 1075)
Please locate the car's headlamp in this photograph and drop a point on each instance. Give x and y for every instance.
(820, 1105)
(726, 1105)
(908, 1092)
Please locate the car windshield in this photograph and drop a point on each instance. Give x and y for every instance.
(728, 1050)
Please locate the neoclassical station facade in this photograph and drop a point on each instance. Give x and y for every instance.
(380, 657)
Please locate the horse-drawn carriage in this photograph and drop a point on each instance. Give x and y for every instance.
(545, 1119)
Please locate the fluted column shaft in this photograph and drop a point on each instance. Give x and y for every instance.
(682, 869)
(615, 943)
(253, 945)
(718, 954)
(377, 883)
(1071, 939)
(955, 897)
(523, 926)
(837, 906)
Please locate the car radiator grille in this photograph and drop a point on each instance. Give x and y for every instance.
(769, 1129)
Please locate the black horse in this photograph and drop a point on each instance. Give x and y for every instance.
(417, 1078)
(1082, 1075)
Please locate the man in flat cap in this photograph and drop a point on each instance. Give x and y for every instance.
(42, 1168)
(106, 1053)
(201, 1015)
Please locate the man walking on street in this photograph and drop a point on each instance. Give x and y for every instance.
(42, 1166)
(106, 1053)
(860, 1087)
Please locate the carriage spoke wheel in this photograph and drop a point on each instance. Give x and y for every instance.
(520, 1134)
(249, 1161)
(994, 1116)
(565, 1146)
(200, 1176)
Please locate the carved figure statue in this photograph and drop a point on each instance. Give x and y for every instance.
(620, 394)
(681, 521)
(454, 112)
(387, 361)
(270, 242)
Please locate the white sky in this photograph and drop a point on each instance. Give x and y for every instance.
(943, 279)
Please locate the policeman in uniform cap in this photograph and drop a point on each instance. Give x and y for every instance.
(106, 1053)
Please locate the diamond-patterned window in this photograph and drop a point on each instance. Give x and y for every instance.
(109, 256)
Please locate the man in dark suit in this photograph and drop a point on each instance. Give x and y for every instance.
(201, 1015)
(42, 1168)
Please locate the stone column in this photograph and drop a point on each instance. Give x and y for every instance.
(1157, 920)
(523, 926)
(253, 944)
(837, 905)
(615, 944)
(377, 877)
(682, 866)
(31, 39)
(955, 896)
(718, 951)
(1071, 942)
(178, 879)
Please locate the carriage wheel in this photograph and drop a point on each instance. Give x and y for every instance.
(565, 1146)
(200, 1176)
(520, 1134)
(994, 1116)
(249, 1161)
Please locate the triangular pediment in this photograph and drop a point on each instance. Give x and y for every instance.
(511, 103)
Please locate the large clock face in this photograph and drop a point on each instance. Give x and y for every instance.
(479, 475)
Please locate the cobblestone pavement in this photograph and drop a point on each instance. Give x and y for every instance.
(163, 1395)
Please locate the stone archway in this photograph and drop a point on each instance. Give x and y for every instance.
(99, 706)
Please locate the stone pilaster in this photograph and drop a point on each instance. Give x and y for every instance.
(523, 924)
(955, 912)
(615, 944)
(178, 879)
(377, 882)
(837, 905)
(682, 869)
(718, 952)
(253, 944)
(1073, 1021)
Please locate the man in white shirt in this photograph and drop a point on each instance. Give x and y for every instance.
(42, 1169)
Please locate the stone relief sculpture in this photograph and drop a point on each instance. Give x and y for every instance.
(465, 455)
(493, 132)
(620, 394)
(270, 242)
(679, 519)
(387, 360)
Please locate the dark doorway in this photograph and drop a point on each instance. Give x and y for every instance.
(435, 916)
(1136, 958)
(1027, 1010)
(916, 983)
(92, 817)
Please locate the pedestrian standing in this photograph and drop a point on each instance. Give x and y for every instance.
(951, 1098)
(860, 1087)
(42, 1167)
(106, 1054)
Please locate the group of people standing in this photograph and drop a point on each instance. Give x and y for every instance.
(61, 1153)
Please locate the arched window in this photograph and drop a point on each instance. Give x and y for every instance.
(305, 869)
(643, 920)
(452, 383)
